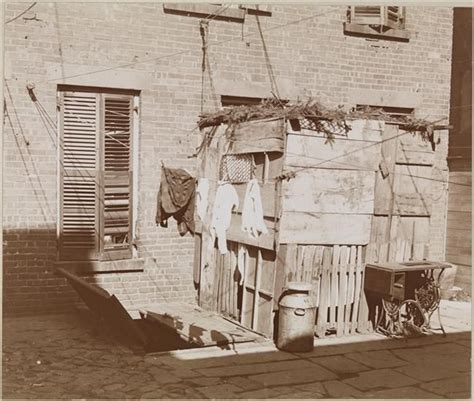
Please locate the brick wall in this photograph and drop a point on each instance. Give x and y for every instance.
(311, 57)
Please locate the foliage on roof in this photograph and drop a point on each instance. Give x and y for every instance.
(331, 122)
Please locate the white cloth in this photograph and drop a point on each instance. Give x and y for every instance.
(226, 199)
(202, 191)
(252, 211)
(241, 262)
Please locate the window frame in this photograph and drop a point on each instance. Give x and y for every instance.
(100, 252)
(377, 26)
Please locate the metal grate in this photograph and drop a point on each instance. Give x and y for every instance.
(236, 168)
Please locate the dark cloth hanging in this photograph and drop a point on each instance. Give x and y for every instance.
(176, 198)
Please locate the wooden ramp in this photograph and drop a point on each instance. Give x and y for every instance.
(197, 326)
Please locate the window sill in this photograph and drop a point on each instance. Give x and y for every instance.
(94, 266)
(366, 31)
(205, 10)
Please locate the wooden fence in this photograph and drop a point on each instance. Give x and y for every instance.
(337, 273)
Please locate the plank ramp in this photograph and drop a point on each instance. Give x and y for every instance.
(197, 326)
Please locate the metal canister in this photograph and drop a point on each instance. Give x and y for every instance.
(296, 318)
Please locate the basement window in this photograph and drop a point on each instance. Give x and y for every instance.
(383, 22)
(394, 112)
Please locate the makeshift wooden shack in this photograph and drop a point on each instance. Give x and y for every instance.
(331, 203)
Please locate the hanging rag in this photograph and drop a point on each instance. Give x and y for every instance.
(226, 199)
(176, 198)
(252, 211)
(202, 191)
(242, 257)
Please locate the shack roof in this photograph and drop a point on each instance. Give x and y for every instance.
(329, 121)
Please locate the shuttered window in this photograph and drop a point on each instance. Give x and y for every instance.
(381, 16)
(95, 175)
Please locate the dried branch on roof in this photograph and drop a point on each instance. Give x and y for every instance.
(331, 122)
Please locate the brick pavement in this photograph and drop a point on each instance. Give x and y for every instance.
(63, 356)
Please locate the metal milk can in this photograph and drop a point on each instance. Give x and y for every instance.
(296, 318)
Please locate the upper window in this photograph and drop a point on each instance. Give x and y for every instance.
(96, 131)
(217, 11)
(380, 21)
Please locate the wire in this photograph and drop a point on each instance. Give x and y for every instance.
(22, 13)
(186, 51)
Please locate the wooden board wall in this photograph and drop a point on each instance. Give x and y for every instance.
(403, 197)
(331, 198)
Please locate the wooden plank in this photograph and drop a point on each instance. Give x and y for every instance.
(334, 285)
(299, 262)
(357, 290)
(308, 260)
(259, 136)
(208, 168)
(234, 275)
(413, 190)
(291, 263)
(379, 229)
(267, 196)
(313, 151)
(323, 299)
(413, 150)
(197, 258)
(318, 228)
(317, 272)
(459, 204)
(258, 273)
(342, 296)
(197, 326)
(460, 220)
(350, 289)
(384, 186)
(363, 323)
(280, 273)
(330, 191)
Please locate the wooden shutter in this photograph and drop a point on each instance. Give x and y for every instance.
(366, 15)
(394, 17)
(116, 188)
(389, 16)
(79, 223)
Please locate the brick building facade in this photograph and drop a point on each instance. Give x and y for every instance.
(156, 52)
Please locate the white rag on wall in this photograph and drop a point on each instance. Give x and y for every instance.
(242, 257)
(252, 211)
(202, 191)
(226, 199)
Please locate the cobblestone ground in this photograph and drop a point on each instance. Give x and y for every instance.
(63, 356)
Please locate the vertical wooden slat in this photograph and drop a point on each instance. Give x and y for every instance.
(342, 296)
(334, 285)
(197, 258)
(266, 168)
(280, 273)
(317, 272)
(324, 296)
(350, 289)
(233, 265)
(245, 298)
(258, 273)
(227, 280)
(300, 250)
(308, 263)
(214, 256)
(291, 263)
(357, 291)
(363, 318)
